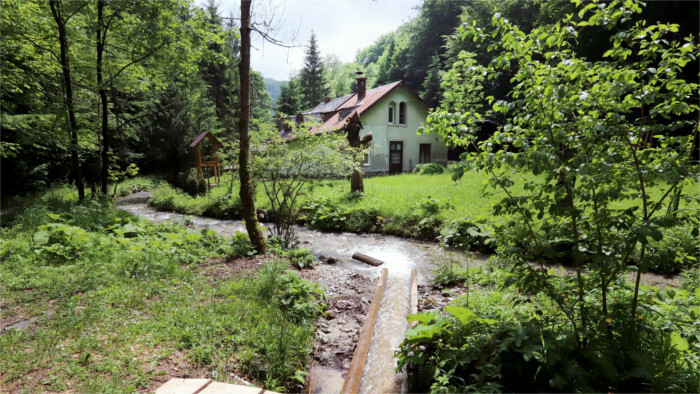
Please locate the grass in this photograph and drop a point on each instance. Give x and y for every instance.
(115, 303)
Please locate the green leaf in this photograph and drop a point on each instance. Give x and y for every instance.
(679, 342)
(464, 315)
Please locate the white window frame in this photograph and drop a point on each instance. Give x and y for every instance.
(368, 157)
(405, 113)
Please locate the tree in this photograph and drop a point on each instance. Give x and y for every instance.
(312, 81)
(61, 20)
(289, 100)
(287, 171)
(352, 129)
(463, 84)
(244, 170)
(598, 136)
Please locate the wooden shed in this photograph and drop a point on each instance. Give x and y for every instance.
(214, 162)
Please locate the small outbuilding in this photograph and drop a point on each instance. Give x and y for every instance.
(199, 157)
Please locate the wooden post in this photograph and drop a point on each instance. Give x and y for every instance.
(413, 297)
(367, 259)
(357, 365)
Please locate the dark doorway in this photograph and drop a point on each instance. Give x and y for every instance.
(395, 157)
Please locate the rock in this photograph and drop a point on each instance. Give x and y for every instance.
(331, 260)
(305, 242)
(437, 287)
(322, 337)
(329, 315)
(446, 294)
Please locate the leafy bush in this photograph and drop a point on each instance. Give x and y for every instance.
(676, 252)
(428, 169)
(241, 245)
(301, 258)
(465, 234)
(328, 215)
(219, 203)
(191, 184)
(498, 341)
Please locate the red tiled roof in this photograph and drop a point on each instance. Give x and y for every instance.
(353, 104)
(338, 118)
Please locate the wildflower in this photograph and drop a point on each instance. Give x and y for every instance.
(608, 320)
(639, 317)
(566, 299)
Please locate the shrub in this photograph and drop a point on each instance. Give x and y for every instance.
(498, 341)
(428, 169)
(465, 234)
(301, 258)
(190, 184)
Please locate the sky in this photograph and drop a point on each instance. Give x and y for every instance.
(342, 27)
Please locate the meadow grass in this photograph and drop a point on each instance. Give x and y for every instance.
(110, 302)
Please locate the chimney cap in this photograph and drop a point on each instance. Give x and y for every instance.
(327, 99)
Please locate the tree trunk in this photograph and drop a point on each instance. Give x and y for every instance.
(106, 137)
(357, 183)
(57, 11)
(246, 192)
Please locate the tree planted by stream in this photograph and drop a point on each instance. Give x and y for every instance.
(598, 136)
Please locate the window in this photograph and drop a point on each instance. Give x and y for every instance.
(367, 160)
(392, 113)
(402, 113)
(424, 154)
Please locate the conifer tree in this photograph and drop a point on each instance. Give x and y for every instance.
(311, 78)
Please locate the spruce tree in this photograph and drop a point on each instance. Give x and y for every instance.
(289, 100)
(312, 80)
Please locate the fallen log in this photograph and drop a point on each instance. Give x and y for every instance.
(367, 259)
(357, 365)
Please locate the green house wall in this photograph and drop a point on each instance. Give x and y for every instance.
(376, 120)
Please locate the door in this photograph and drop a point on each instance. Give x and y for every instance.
(395, 157)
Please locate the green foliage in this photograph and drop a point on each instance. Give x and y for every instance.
(497, 340)
(312, 80)
(218, 203)
(287, 171)
(465, 234)
(191, 184)
(428, 169)
(598, 136)
(301, 258)
(126, 295)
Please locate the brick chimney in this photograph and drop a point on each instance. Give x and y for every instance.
(327, 99)
(361, 87)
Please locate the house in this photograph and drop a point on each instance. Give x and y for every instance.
(392, 113)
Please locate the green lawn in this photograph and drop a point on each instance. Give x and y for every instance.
(109, 302)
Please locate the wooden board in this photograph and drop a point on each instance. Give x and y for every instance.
(357, 365)
(413, 298)
(183, 386)
(223, 388)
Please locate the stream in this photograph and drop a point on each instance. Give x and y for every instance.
(400, 256)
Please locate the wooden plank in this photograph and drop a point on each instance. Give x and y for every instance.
(223, 388)
(367, 259)
(183, 386)
(413, 298)
(357, 365)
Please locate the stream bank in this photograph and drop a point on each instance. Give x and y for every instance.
(349, 285)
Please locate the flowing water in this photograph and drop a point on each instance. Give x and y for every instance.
(399, 256)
